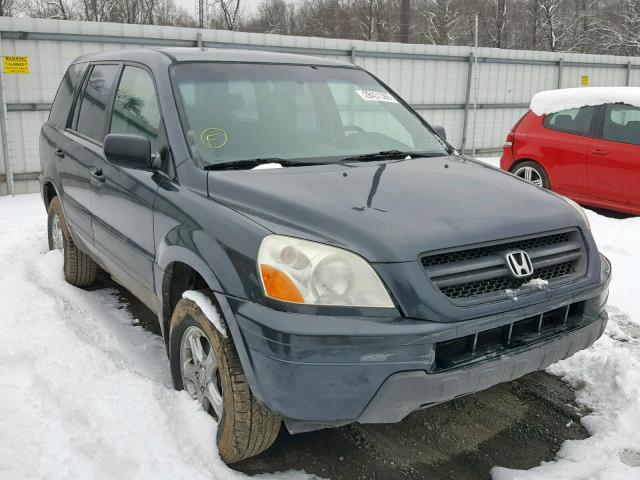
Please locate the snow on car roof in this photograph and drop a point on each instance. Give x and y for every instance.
(551, 101)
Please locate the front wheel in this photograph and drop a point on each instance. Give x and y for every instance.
(205, 363)
(532, 172)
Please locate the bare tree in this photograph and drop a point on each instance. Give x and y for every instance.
(5, 8)
(556, 22)
(275, 16)
(621, 32)
(493, 14)
(372, 19)
(227, 14)
(441, 22)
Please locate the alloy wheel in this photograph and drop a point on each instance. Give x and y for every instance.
(529, 174)
(199, 368)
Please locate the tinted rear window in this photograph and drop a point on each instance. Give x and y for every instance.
(92, 120)
(61, 107)
(575, 120)
(622, 124)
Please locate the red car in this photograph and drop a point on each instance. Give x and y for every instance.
(589, 154)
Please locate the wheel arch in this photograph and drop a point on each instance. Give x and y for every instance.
(185, 271)
(49, 191)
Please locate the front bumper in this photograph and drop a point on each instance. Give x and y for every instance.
(323, 371)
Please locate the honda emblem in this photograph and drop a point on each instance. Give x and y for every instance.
(519, 264)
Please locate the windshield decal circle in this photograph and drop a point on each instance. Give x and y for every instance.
(214, 138)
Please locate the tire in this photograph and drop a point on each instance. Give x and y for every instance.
(534, 171)
(245, 427)
(79, 268)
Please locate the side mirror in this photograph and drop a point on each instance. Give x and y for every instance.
(128, 151)
(439, 129)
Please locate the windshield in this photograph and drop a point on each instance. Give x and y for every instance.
(235, 112)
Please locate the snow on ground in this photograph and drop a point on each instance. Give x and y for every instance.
(86, 394)
(83, 392)
(551, 101)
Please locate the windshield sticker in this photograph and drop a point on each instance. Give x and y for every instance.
(214, 138)
(373, 96)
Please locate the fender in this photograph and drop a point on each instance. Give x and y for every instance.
(168, 254)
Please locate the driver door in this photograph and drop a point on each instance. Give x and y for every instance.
(122, 199)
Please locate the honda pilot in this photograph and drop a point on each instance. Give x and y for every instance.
(317, 254)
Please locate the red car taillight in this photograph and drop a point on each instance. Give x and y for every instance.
(510, 136)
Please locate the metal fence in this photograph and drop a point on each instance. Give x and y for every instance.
(476, 96)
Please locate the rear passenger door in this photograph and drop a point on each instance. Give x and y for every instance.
(70, 171)
(122, 199)
(613, 168)
(565, 149)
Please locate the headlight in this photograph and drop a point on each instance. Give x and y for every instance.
(580, 211)
(300, 271)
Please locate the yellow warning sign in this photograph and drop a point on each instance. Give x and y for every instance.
(584, 80)
(12, 64)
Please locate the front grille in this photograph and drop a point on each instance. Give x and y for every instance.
(480, 272)
(486, 343)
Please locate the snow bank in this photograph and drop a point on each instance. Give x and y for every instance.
(552, 101)
(85, 394)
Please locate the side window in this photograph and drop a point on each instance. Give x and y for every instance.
(136, 108)
(575, 120)
(63, 102)
(621, 124)
(94, 104)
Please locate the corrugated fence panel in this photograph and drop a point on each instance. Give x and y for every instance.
(513, 83)
(598, 76)
(23, 135)
(435, 79)
(451, 119)
(488, 128)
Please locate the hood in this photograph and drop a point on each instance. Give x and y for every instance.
(392, 211)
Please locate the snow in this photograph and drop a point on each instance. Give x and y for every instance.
(207, 308)
(537, 283)
(493, 161)
(86, 393)
(551, 101)
(267, 166)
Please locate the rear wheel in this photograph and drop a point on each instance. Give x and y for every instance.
(79, 268)
(205, 363)
(532, 172)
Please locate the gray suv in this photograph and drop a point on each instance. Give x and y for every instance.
(316, 253)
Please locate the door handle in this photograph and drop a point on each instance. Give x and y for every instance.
(599, 151)
(97, 175)
(59, 152)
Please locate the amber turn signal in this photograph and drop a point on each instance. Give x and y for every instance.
(279, 285)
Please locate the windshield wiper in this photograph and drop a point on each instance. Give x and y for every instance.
(388, 155)
(252, 163)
